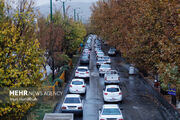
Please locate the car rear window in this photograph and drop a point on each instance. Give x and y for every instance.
(72, 100)
(84, 57)
(105, 66)
(101, 60)
(112, 89)
(77, 82)
(100, 53)
(82, 70)
(111, 111)
(111, 72)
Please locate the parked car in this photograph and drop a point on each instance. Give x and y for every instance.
(104, 68)
(112, 93)
(72, 104)
(82, 72)
(110, 112)
(77, 86)
(84, 59)
(111, 77)
(131, 70)
(106, 58)
(112, 52)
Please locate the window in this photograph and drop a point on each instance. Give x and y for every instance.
(112, 89)
(77, 82)
(72, 100)
(111, 111)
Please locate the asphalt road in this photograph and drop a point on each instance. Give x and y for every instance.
(138, 101)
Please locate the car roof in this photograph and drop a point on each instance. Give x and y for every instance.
(111, 71)
(85, 67)
(78, 80)
(72, 95)
(106, 65)
(110, 86)
(110, 106)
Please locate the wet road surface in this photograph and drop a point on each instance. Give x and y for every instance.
(138, 101)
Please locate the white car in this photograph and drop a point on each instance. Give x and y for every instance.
(111, 77)
(82, 72)
(99, 62)
(112, 93)
(131, 70)
(99, 54)
(104, 68)
(72, 104)
(106, 58)
(110, 112)
(77, 86)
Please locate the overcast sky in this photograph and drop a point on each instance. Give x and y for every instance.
(42, 2)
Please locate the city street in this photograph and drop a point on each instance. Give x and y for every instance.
(139, 101)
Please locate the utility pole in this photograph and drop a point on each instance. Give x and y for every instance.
(74, 14)
(78, 16)
(51, 39)
(64, 9)
(51, 10)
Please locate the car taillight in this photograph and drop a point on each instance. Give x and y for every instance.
(120, 119)
(87, 72)
(77, 72)
(101, 119)
(83, 86)
(79, 108)
(105, 78)
(120, 93)
(105, 93)
(118, 78)
(63, 108)
(70, 85)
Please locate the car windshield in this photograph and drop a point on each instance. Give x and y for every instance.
(111, 111)
(105, 66)
(72, 100)
(77, 82)
(82, 70)
(113, 49)
(112, 89)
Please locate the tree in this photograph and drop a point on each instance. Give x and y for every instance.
(144, 31)
(20, 57)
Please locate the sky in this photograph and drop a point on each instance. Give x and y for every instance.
(84, 6)
(42, 2)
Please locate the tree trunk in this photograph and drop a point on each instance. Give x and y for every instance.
(53, 69)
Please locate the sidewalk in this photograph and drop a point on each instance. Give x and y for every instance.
(167, 97)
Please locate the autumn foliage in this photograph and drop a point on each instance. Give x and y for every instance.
(145, 31)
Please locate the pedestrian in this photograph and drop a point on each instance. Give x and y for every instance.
(156, 83)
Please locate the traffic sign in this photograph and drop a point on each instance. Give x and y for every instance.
(172, 91)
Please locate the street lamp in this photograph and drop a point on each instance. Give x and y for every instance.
(78, 14)
(75, 13)
(64, 8)
(51, 10)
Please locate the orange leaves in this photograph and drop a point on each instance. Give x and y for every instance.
(144, 31)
